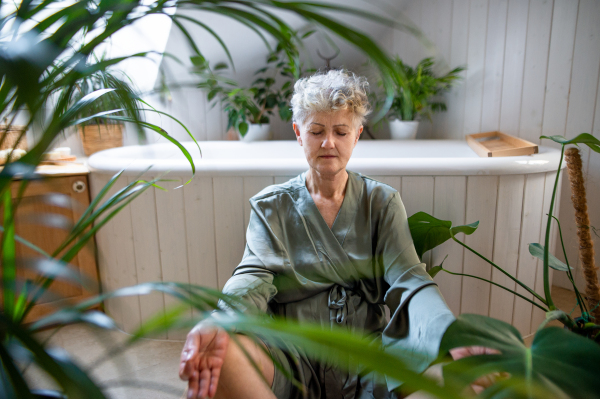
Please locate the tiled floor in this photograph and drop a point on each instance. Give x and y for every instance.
(148, 369)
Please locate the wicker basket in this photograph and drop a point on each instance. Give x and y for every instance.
(100, 137)
(9, 137)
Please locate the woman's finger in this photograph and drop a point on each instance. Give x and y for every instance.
(193, 386)
(203, 383)
(188, 356)
(214, 382)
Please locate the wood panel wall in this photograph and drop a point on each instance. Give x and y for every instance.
(196, 234)
(533, 69)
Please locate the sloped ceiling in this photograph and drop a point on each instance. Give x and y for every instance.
(248, 50)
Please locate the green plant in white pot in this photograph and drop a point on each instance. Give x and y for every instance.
(418, 98)
(249, 109)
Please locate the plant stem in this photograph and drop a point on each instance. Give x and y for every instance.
(532, 292)
(498, 285)
(546, 266)
(580, 300)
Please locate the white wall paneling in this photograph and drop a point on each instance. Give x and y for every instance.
(451, 123)
(417, 195)
(252, 186)
(535, 69)
(147, 252)
(506, 244)
(478, 16)
(229, 224)
(481, 206)
(514, 59)
(493, 65)
(450, 191)
(200, 231)
(531, 225)
(170, 217)
(107, 256)
(532, 69)
(538, 315)
(195, 234)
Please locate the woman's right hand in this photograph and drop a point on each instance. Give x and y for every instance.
(202, 358)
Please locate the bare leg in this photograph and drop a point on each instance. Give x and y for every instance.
(239, 379)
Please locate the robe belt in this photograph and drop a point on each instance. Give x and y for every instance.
(338, 304)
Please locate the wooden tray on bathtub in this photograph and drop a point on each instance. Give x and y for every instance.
(498, 144)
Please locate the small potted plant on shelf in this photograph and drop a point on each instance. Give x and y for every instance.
(101, 133)
(249, 109)
(417, 99)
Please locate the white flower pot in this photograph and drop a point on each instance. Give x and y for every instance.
(403, 130)
(257, 132)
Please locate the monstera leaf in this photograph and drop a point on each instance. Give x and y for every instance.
(559, 363)
(583, 138)
(429, 232)
(537, 250)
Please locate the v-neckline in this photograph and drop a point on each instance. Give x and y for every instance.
(341, 223)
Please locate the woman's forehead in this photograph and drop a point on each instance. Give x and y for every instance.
(333, 118)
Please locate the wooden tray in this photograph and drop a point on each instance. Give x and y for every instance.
(59, 161)
(497, 144)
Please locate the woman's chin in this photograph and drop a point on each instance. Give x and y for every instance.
(325, 170)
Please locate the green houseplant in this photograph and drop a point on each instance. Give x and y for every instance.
(249, 109)
(417, 99)
(43, 63)
(536, 369)
(96, 133)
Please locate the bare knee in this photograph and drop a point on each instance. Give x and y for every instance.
(239, 377)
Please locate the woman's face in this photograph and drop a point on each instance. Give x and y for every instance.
(328, 139)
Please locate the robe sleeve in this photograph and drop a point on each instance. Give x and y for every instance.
(419, 314)
(252, 280)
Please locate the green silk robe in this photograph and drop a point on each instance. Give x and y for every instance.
(295, 266)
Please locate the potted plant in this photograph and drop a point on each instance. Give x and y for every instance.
(417, 98)
(43, 59)
(249, 109)
(529, 372)
(101, 133)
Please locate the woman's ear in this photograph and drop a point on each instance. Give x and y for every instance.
(360, 130)
(297, 131)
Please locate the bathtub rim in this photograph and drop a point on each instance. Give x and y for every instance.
(545, 161)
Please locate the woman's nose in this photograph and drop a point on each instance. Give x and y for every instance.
(328, 142)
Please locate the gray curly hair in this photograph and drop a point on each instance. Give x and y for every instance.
(331, 91)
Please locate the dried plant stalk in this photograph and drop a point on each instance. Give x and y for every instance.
(586, 245)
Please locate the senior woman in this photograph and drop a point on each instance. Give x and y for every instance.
(329, 246)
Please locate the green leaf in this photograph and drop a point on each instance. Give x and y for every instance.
(558, 361)
(74, 381)
(243, 128)
(436, 269)
(9, 272)
(583, 138)
(73, 316)
(468, 229)
(428, 232)
(537, 250)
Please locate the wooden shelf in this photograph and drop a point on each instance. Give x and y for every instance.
(498, 144)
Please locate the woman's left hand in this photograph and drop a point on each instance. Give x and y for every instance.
(483, 382)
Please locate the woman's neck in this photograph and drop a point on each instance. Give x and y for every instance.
(326, 186)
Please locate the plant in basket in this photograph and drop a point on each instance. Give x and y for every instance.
(98, 127)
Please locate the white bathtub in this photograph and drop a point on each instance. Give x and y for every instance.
(196, 234)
